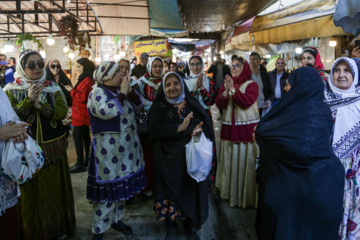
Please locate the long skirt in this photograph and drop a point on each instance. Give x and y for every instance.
(236, 176)
(149, 170)
(46, 206)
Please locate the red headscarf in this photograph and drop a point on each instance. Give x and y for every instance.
(243, 77)
(319, 66)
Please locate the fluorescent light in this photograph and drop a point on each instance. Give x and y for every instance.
(332, 42)
(268, 56)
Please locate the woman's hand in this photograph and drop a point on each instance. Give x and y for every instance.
(34, 91)
(37, 104)
(197, 130)
(229, 83)
(16, 131)
(355, 53)
(184, 125)
(125, 85)
(199, 83)
(68, 87)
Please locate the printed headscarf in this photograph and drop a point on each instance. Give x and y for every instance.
(319, 66)
(179, 99)
(105, 71)
(22, 82)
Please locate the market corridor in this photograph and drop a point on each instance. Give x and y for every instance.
(223, 223)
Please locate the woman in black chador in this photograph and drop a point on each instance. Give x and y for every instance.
(301, 181)
(175, 117)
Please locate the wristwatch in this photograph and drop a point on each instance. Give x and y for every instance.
(231, 92)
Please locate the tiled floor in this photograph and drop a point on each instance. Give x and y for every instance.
(224, 223)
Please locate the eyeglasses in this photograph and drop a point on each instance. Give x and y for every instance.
(236, 66)
(198, 64)
(53, 66)
(32, 65)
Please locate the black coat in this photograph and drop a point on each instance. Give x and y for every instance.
(171, 180)
(268, 91)
(138, 71)
(301, 181)
(213, 69)
(273, 75)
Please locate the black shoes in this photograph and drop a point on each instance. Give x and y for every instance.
(171, 233)
(122, 227)
(98, 236)
(78, 167)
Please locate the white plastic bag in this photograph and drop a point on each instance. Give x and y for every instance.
(199, 158)
(21, 161)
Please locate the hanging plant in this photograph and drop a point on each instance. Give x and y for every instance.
(69, 28)
(27, 37)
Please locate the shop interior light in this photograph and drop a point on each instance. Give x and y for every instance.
(71, 55)
(268, 56)
(298, 49)
(50, 41)
(122, 53)
(208, 50)
(221, 52)
(214, 58)
(43, 53)
(9, 47)
(66, 48)
(332, 42)
(98, 59)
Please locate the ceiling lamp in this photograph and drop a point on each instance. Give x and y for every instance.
(71, 55)
(50, 41)
(66, 48)
(43, 53)
(332, 42)
(9, 47)
(298, 49)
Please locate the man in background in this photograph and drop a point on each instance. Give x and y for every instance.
(278, 79)
(140, 69)
(219, 70)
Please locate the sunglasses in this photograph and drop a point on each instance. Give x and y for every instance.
(32, 65)
(53, 66)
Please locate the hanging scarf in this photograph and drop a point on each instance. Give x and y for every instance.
(89, 68)
(319, 66)
(345, 105)
(22, 82)
(179, 99)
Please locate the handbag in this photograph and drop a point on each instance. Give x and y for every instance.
(142, 121)
(199, 155)
(21, 161)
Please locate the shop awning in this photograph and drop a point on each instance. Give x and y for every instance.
(308, 19)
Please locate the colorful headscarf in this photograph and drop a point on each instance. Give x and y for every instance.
(22, 82)
(319, 66)
(105, 71)
(179, 99)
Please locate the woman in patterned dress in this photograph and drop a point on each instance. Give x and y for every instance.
(343, 97)
(116, 169)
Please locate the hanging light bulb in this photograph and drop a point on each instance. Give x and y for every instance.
(332, 42)
(71, 55)
(50, 41)
(298, 49)
(66, 48)
(43, 53)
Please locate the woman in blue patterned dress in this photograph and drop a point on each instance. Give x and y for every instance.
(116, 169)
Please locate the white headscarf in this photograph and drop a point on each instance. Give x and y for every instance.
(179, 99)
(149, 65)
(192, 80)
(22, 82)
(346, 105)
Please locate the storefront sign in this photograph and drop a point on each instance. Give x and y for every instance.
(156, 47)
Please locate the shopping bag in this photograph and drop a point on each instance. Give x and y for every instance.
(199, 155)
(21, 161)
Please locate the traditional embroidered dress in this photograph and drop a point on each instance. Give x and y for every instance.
(148, 87)
(116, 169)
(176, 194)
(236, 176)
(345, 108)
(51, 187)
(206, 96)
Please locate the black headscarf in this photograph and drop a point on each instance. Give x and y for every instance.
(89, 68)
(63, 81)
(299, 175)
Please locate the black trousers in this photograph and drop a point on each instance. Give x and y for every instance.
(81, 136)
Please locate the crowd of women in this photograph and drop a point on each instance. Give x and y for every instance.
(308, 146)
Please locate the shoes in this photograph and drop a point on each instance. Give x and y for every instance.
(189, 232)
(98, 236)
(78, 167)
(148, 193)
(171, 233)
(122, 227)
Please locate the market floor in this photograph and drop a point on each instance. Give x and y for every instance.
(224, 223)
